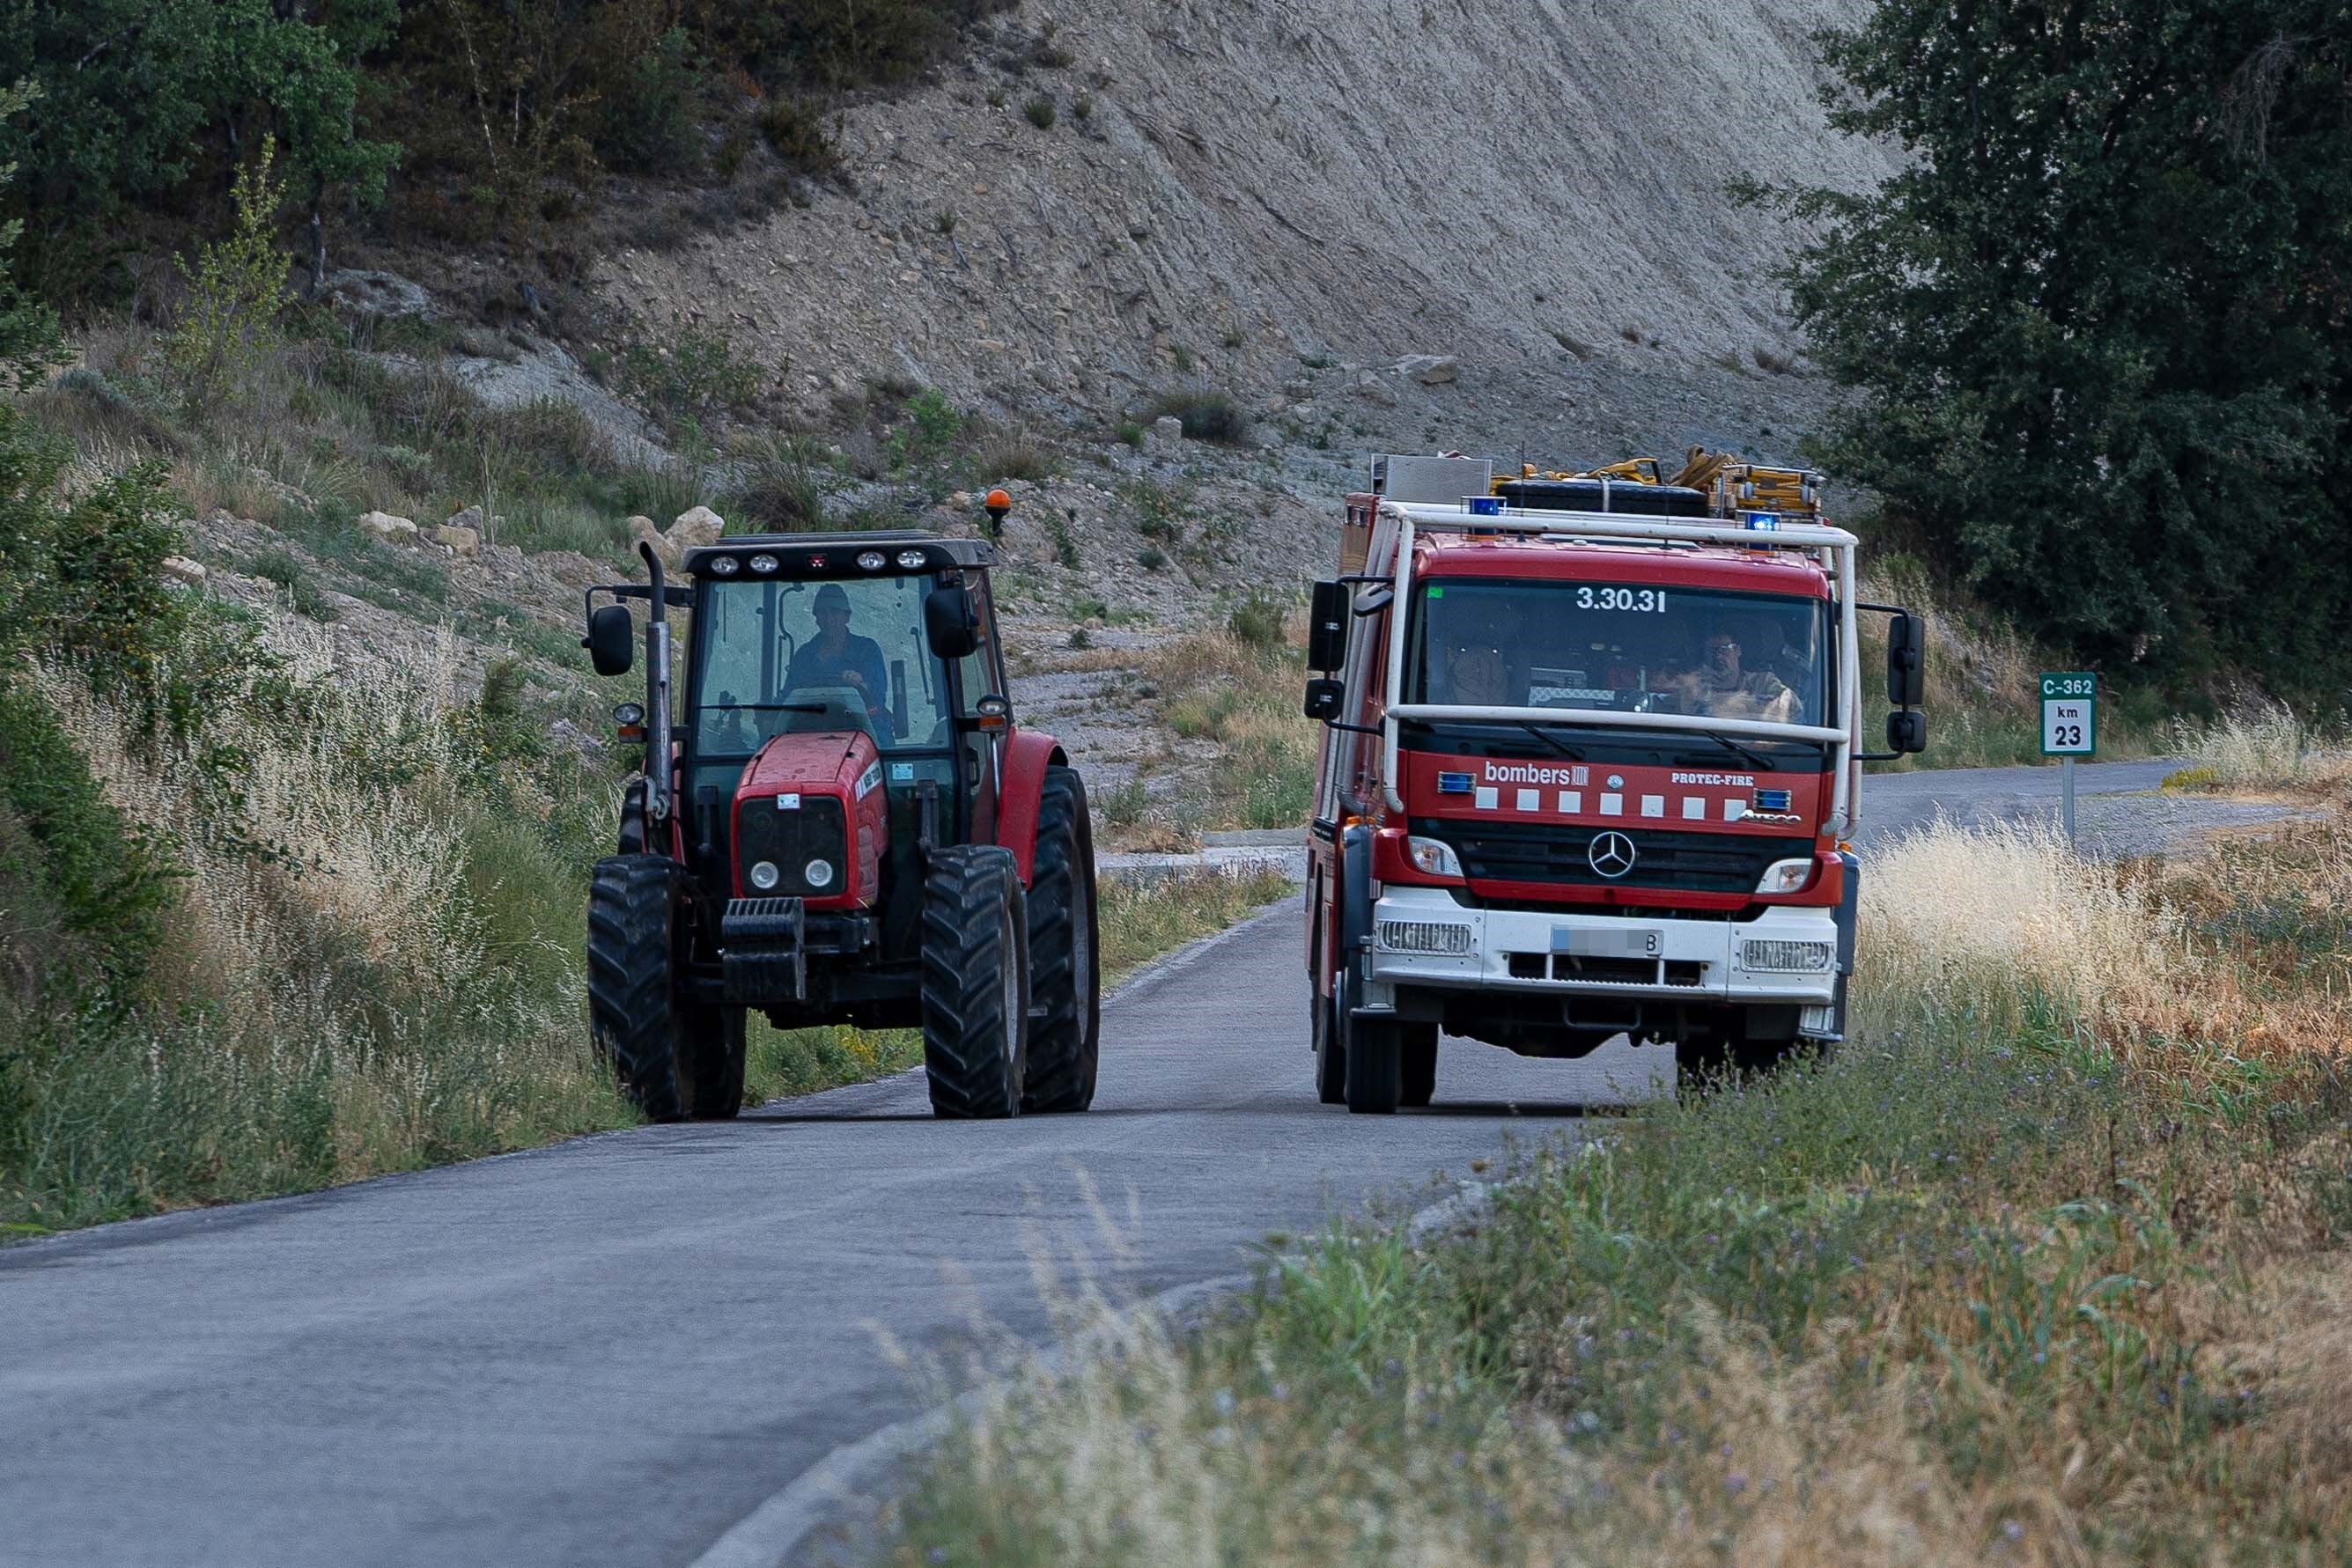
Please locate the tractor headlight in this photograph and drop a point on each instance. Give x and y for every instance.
(764, 564)
(1786, 876)
(764, 875)
(911, 560)
(724, 565)
(818, 873)
(872, 560)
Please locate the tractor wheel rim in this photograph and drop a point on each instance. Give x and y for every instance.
(1010, 949)
(1082, 949)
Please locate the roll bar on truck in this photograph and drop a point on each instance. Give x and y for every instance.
(1586, 773)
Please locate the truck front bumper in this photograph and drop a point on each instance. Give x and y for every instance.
(1787, 955)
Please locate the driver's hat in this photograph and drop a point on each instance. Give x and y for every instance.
(832, 596)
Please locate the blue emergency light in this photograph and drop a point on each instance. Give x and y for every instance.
(1772, 800)
(1762, 522)
(1453, 783)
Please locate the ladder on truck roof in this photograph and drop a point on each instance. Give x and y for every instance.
(1832, 547)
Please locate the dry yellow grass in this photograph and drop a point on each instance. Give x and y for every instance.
(2090, 1317)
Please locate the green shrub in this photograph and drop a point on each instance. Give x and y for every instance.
(236, 291)
(1257, 621)
(690, 378)
(1152, 558)
(648, 121)
(1039, 111)
(795, 128)
(1206, 415)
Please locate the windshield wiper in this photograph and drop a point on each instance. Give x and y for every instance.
(1742, 752)
(1558, 745)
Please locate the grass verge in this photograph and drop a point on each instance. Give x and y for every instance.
(2044, 1267)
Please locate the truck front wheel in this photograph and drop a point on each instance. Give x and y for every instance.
(1330, 1057)
(1418, 1063)
(975, 987)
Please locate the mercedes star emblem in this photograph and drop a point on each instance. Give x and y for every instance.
(1611, 855)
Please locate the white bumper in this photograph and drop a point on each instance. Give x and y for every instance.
(1564, 955)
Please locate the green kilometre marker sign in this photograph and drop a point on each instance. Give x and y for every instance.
(2070, 728)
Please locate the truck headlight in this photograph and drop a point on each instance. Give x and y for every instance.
(764, 875)
(1778, 955)
(1433, 857)
(1425, 937)
(1787, 876)
(818, 874)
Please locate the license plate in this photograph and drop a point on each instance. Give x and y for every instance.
(1585, 942)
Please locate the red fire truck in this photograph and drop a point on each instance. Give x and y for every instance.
(1591, 767)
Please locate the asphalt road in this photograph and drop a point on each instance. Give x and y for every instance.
(617, 1350)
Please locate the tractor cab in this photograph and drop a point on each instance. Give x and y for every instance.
(842, 739)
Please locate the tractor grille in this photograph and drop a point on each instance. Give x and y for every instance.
(790, 840)
(1549, 852)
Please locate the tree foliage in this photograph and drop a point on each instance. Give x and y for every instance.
(140, 97)
(2102, 316)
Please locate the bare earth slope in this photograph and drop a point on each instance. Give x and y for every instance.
(1258, 181)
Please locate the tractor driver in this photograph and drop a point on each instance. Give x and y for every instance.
(837, 656)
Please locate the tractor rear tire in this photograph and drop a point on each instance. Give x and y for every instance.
(975, 990)
(1065, 973)
(709, 1063)
(636, 918)
(1420, 1064)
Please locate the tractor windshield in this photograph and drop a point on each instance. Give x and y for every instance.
(1621, 647)
(777, 658)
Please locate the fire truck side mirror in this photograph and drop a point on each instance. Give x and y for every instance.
(1907, 731)
(1906, 661)
(951, 622)
(1323, 698)
(1327, 627)
(611, 642)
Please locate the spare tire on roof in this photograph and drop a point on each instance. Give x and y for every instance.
(1618, 496)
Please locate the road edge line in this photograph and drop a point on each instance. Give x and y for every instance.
(780, 1526)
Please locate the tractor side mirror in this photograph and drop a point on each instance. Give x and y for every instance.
(951, 622)
(1327, 627)
(1907, 731)
(1906, 661)
(1323, 698)
(612, 643)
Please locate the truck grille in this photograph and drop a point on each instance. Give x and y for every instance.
(792, 839)
(1550, 852)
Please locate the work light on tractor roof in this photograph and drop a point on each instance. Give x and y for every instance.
(838, 822)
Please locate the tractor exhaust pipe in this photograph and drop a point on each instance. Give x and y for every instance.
(657, 759)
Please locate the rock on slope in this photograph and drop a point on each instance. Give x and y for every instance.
(1255, 182)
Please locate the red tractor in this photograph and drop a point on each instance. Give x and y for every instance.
(839, 823)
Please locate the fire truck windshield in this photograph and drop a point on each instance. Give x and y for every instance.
(1619, 647)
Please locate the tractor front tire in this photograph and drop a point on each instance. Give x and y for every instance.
(636, 915)
(1064, 976)
(975, 990)
(709, 1061)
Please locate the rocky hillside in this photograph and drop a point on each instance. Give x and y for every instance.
(1286, 198)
